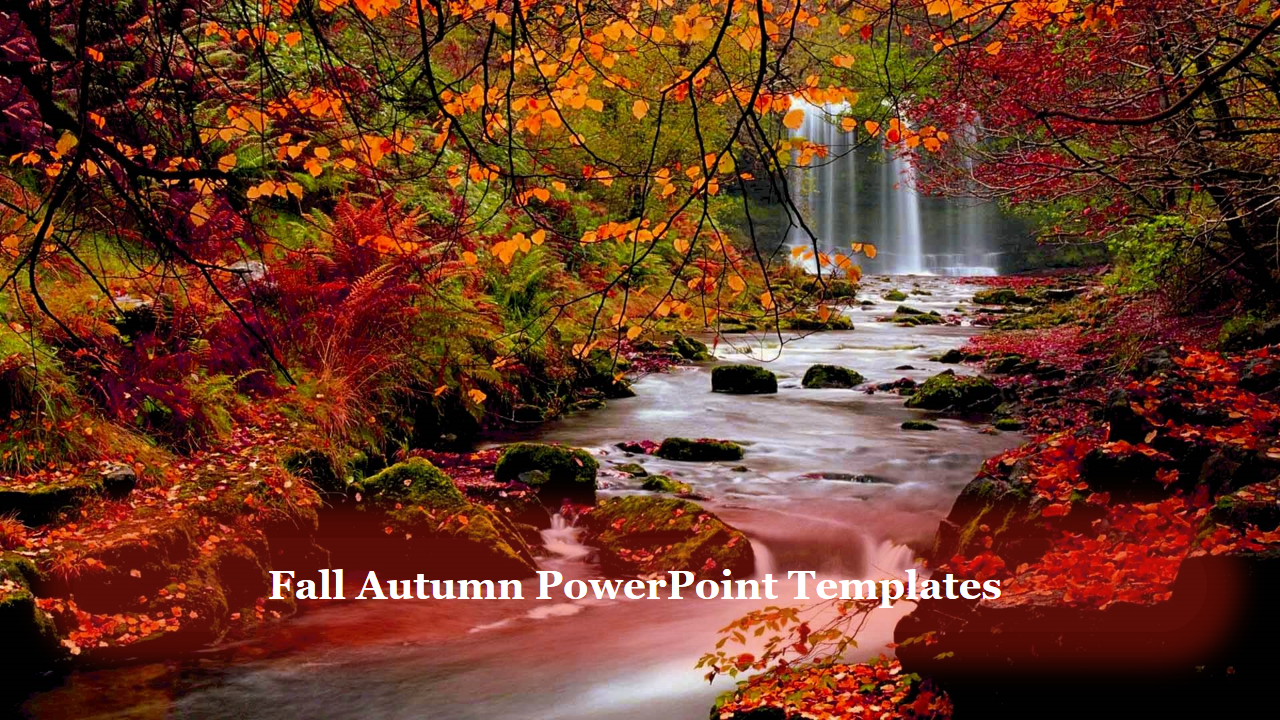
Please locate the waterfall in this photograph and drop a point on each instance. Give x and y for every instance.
(868, 195)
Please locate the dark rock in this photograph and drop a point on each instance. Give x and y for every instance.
(743, 380)
(1008, 424)
(907, 310)
(1261, 376)
(1002, 365)
(632, 469)
(831, 376)
(644, 534)
(953, 356)
(700, 450)
(843, 477)
(1003, 296)
(948, 391)
(1123, 421)
(31, 643)
(528, 414)
(918, 425)
(1156, 362)
(1128, 475)
(1248, 332)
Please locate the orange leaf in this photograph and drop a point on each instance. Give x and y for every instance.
(794, 119)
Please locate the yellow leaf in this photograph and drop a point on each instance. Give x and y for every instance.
(292, 38)
(848, 124)
(736, 283)
(870, 250)
(538, 237)
(794, 119)
(469, 257)
(766, 300)
(634, 332)
(227, 162)
(476, 395)
(873, 127)
(639, 109)
(681, 245)
(824, 313)
(66, 143)
(797, 251)
(994, 48)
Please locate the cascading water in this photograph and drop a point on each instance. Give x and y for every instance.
(845, 198)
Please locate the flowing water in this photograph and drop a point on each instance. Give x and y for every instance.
(797, 501)
(867, 195)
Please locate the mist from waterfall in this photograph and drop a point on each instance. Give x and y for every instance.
(868, 196)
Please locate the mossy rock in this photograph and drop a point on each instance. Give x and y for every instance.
(907, 310)
(691, 349)
(918, 425)
(413, 482)
(831, 376)
(835, 288)
(700, 450)
(662, 483)
(1249, 331)
(1008, 424)
(811, 321)
(558, 471)
(948, 391)
(601, 372)
(1004, 296)
(923, 318)
(30, 639)
(644, 534)
(42, 503)
(952, 357)
(743, 380)
(632, 469)
(895, 296)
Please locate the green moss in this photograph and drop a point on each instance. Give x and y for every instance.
(558, 469)
(948, 391)
(810, 321)
(895, 296)
(662, 483)
(1004, 296)
(30, 639)
(633, 469)
(918, 425)
(701, 450)
(649, 534)
(743, 380)
(831, 376)
(1007, 424)
(415, 481)
(691, 349)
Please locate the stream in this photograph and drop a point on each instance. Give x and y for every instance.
(804, 501)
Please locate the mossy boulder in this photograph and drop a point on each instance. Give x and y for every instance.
(1248, 331)
(811, 321)
(552, 469)
(413, 515)
(948, 391)
(691, 349)
(918, 425)
(1004, 296)
(1008, 424)
(743, 380)
(953, 356)
(831, 376)
(415, 481)
(895, 296)
(30, 640)
(602, 371)
(700, 450)
(42, 502)
(664, 484)
(640, 535)
(918, 318)
(632, 469)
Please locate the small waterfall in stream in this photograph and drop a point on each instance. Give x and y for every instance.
(868, 195)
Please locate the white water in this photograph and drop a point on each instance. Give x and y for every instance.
(869, 195)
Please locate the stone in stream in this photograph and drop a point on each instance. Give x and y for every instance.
(895, 296)
(555, 471)
(700, 450)
(953, 357)
(645, 534)
(31, 641)
(632, 469)
(956, 393)
(743, 380)
(691, 349)
(664, 484)
(831, 376)
(918, 425)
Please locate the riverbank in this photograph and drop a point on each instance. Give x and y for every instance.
(1134, 534)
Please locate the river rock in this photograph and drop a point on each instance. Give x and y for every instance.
(691, 349)
(918, 425)
(953, 356)
(433, 527)
(895, 296)
(664, 484)
(554, 470)
(1003, 296)
(600, 372)
(639, 535)
(42, 502)
(743, 380)
(831, 376)
(956, 393)
(700, 450)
